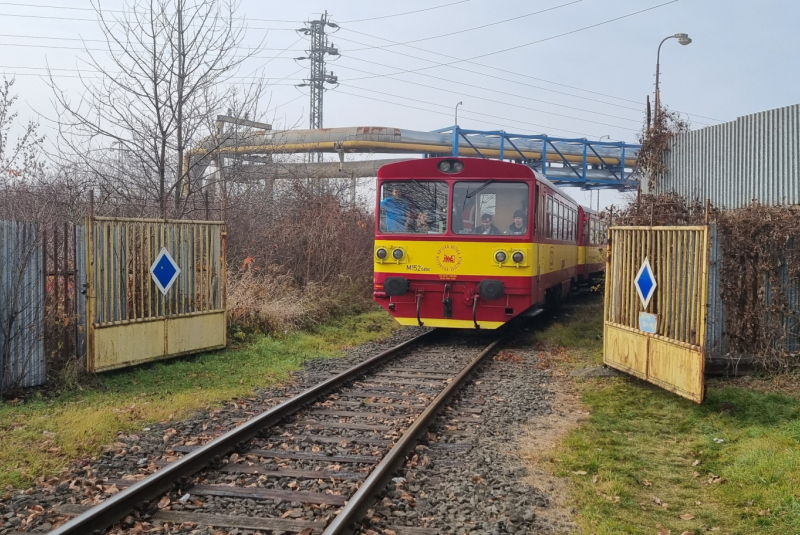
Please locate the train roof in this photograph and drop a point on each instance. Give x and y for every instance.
(427, 168)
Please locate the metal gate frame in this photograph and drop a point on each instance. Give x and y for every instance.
(674, 356)
(128, 320)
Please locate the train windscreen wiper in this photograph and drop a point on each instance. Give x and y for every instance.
(480, 189)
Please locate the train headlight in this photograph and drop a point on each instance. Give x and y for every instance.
(518, 257)
(451, 166)
(500, 256)
(381, 253)
(397, 254)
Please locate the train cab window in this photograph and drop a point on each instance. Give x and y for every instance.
(475, 202)
(413, 207)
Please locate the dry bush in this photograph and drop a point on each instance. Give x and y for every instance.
(760, 274)
(661, 209)
(266, 301)
(759, 277)
(655, 139)
(304, 256)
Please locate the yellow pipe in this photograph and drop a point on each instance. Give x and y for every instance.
(379, 146)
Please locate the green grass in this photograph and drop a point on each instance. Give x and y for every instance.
(41, 435)
(644, 444)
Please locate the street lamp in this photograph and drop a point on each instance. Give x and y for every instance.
(683, 39)
(457, 105)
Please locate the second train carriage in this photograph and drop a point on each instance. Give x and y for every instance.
(467, 242)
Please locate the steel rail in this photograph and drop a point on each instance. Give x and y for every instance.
(359, 503)
(121, 504)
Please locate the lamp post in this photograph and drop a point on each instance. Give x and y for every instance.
(683, 39)
(457, 105)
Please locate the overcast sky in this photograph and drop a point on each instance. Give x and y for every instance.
(572, 70)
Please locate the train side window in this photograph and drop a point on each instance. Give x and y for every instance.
(585, 229)
(574, 225)
(569, 224)
(556, 219)
(549, 216)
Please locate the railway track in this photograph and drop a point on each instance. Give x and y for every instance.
(312, 464)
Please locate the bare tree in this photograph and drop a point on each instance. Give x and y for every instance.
(21, 303)
(160, 80)
(20, 160)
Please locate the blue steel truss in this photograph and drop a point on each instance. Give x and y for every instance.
(606, 174)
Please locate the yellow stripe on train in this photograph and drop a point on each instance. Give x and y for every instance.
(591, 254)
(473, 258)
(450, 323)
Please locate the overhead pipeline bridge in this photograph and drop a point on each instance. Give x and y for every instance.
(565, 161)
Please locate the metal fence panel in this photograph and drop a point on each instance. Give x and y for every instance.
(754, 157)
(22, 358)
(129, 320)
(663, 343)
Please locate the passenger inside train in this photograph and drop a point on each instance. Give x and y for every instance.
(414, 207)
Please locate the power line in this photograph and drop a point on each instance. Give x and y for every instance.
(73, 8)
(449, 114)
(461, 93)
(368, 47)
(50, 17)
(503, 118)
(406, 13)
(97, 41)
(518, 17)
(462, 84)
(530, 43)
(55, 47)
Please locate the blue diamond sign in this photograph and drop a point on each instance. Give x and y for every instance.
(164, 271)
(645, 283)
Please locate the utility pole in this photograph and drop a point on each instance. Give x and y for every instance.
(318, 75)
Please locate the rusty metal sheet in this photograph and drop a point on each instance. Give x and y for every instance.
(625, 350)
(676, 368)
(195, 333)
(128, 344)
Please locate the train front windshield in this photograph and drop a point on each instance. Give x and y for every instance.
(490, 208)
(414, 207)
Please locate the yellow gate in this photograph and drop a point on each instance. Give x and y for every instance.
(664, 342)
(130, 318)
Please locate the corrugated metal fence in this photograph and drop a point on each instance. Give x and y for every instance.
(754, 157)
(22, 355)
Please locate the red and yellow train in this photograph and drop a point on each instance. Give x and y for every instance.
(468, 242)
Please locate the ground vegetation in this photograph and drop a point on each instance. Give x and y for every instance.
(647, 461)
